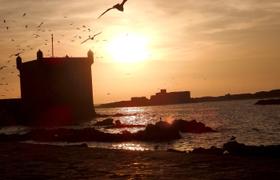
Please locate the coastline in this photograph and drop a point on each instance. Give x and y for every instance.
(29, 161)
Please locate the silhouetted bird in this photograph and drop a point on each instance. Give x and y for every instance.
(40, 24)
(16, 54)
(2, 67)
(91, 38)
(26, 26)
(116, 6)
(36, 35)
(24, 14)
(7, 27)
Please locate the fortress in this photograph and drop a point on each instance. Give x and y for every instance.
(54, 90)
(161, 98)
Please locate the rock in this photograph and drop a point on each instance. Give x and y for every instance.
(105, 122)
(191, 126)
(268, 102)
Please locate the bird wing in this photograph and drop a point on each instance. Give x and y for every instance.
(85, 40)
(124, 1)
(105, 12)
(96, 34)
(40, 24)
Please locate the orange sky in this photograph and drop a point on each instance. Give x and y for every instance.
(207, 47)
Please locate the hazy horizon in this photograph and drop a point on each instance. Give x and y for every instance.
(207, 47)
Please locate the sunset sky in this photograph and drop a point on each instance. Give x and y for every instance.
(208, 47)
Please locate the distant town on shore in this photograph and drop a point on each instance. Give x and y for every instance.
(182, 97)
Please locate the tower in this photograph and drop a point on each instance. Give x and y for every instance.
(57, 90)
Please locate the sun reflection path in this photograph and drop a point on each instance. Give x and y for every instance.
(130, 146)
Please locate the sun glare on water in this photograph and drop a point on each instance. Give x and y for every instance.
(128, 48)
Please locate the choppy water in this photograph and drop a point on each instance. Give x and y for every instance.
(249, 123)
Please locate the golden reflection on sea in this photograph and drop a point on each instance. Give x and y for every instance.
(130, 146)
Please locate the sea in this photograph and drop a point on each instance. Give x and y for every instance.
(249, 123)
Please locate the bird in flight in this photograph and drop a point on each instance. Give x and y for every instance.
(40, 24)
(24, 14)
(2, 67)
(91, 37)
(16, 54)
(116, 6)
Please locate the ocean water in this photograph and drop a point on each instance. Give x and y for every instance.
(250, 124)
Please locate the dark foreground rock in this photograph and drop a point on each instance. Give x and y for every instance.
(268, 102)
(30, 161)
(180, 125)
(191, 126)
(151, 133)
(161, 131)
(235, 148)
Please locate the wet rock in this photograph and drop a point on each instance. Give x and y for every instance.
(159, 132)
(191, 126)
(236, 148)
(268, 102)
(105, 122)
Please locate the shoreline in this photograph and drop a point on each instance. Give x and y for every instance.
(27, 161)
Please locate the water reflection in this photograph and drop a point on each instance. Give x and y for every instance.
(130, 146)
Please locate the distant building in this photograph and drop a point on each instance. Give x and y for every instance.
(164, 97)
(56, 89)
(161, 98)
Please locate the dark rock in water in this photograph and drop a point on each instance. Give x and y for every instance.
(191, 126)
(268, 102)
(105, 122)
(236, 148)
(110, 124)
(151, 133)
(239, 149)
(159, 132)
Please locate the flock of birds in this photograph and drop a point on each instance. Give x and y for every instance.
(39, 29)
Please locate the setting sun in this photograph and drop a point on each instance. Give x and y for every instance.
(128, 48)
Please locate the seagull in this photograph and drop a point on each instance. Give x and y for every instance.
(36, 35)
(40, 24)
(116, 6)
(2, 67)
(16, 54)
(91, 38)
